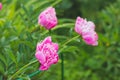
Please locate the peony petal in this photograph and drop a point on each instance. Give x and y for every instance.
(47, 40)
(40, 56)
(55, 45)
(43, 68)
(41, 44)
(90, 38)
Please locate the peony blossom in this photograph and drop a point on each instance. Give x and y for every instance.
(0, 6)
(46, 53)
(87, 30)
(48, 18)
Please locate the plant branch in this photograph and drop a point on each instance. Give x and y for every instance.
(21, 69)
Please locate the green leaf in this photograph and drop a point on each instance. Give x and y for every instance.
(2, 58)
(1, 69)
(11, 55)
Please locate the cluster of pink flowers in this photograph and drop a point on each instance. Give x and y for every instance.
(46, 51)
(0, 6)
(87, 30)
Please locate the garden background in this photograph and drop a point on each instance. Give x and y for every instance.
(20, 32)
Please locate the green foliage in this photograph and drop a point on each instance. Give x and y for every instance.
(20, 32)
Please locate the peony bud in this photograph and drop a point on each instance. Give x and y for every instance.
(87, 30)
(48, 18)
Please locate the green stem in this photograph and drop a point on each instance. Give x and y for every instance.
(35, 29)
(32, 74)
(70, 40)
(62, 56)
(67, 25)
(50, 32)
(63, 46)
(62, 67)
(21, 69)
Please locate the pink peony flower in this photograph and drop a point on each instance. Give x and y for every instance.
(0, 6)
(87, 30)
(46, 53)
(48, 18)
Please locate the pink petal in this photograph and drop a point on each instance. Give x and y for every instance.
(43, 67)
(0, 6)
(90, 38)
(55, 46)
(40, 56)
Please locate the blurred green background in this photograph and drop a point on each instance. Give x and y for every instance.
(20, 32)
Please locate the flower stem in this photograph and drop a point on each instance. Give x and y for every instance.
(32, 74)
(67, 25)
(62, 67)
(62, 56)
(35, 29)
(50, 32)
(21, 69)
(70, 40)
